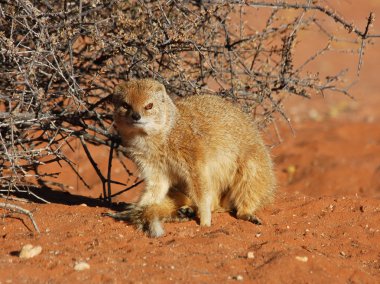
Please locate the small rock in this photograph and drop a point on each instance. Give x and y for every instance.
(28, 251)
(302, 258)
(238, 277)
(79, 266)
(291, 171)
(250, 255)
(315, 115)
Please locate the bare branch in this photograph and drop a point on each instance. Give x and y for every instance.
(18, 209)
(59, 64)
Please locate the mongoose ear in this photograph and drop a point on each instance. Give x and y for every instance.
(161, 89)
(118, 94)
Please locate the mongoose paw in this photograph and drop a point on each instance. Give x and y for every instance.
(254, 219)
(186, 212)
(154, 229)
(205, 223)
(250, 217)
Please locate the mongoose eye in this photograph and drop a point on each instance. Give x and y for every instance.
(149, 106)
(126, 106)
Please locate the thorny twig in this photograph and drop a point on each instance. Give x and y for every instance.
(18, 209)
(365, 36)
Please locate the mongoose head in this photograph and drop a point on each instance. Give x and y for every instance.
(141, 106)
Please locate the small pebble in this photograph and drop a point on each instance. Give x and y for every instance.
(79, 266)
(302, 258)
(250, 255)
(28, 251)
(238, 277)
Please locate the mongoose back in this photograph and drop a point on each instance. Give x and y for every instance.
(200, 151)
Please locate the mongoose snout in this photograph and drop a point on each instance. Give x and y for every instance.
(136, 116)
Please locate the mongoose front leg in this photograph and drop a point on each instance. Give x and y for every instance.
(151, 203)
(204, 210)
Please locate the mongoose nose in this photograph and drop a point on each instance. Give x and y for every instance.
(136, 116)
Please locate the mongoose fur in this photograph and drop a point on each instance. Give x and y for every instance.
(201, 151)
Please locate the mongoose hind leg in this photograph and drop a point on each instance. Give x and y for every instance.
(253, 187)
(184, 207)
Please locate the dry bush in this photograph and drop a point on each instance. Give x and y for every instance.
(61, 59)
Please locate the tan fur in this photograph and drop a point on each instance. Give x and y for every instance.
(202, 147)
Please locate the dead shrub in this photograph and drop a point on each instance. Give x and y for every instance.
(61, 59)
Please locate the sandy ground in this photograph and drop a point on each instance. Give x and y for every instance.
(324, 226)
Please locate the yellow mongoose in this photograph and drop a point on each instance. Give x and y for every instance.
(201, 151)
